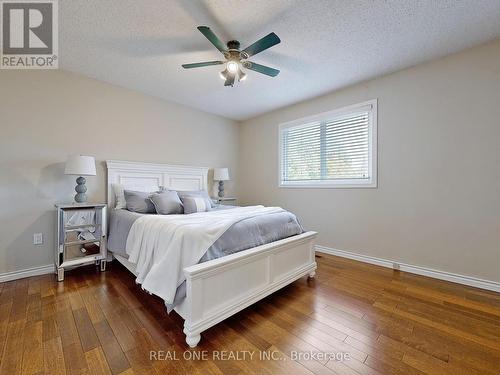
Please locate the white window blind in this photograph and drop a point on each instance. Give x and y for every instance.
(337, 148)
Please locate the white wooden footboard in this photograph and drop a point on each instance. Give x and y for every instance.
(221, 287)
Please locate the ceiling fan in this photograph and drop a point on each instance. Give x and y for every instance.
(236, 59)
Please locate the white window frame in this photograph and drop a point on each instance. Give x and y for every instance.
(336, 184)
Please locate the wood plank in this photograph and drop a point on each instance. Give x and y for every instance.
(387, 365)
(71, 344)
(128, 372)
(53, 357)
(341, 368)
(115, 357)
(34, 308)
(33, 350)
(4, 325)
(153, 327)
(74, 359)
(34, 285)
(50, 329)
(88, 337)
(13, 352)
(96, 362)
(47, 285)
(8, 292)
(138, 356)
(91, 304)
(19, 305)
(76, 301)
(120, 330)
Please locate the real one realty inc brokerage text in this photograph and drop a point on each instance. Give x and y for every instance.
(245, 355)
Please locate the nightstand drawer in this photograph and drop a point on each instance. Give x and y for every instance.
(78, 217)
(82, 235)
(79, 251)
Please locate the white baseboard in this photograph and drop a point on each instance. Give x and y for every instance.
(424, 271)
(28, 272)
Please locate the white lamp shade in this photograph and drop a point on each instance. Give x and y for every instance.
(221, 174)
(80, 165)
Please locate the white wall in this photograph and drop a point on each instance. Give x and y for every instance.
(438, 199)
(46, 115)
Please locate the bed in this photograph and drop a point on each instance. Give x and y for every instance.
(215, 288)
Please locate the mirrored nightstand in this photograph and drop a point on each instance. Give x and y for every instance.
(80, 236)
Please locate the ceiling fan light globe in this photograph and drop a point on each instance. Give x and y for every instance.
(242, 76)
(232, 67)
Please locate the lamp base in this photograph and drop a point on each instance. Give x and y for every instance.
(221, 189)
(80, 189)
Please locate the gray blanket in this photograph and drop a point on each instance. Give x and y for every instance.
(241, 236)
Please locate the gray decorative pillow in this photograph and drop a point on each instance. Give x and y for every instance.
(166, 202)
(195, 204)
(138, 201)
(196, 193)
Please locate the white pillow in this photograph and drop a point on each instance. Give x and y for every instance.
(120, 201)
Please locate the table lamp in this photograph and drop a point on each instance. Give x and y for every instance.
(221, 175)
(80, 165)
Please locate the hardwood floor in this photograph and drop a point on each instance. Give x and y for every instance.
(388, 322)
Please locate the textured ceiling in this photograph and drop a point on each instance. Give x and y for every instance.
(326, 45)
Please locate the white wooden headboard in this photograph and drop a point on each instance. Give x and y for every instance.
(141, 176)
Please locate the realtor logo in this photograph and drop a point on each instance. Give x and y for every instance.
(29, 34)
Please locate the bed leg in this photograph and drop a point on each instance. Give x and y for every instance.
(193, 340)
(311, 275)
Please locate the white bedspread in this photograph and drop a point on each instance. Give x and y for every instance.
(161, 246)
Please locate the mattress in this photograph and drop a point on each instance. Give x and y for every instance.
(241, 236)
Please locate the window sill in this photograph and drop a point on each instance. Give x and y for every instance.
(329, 185)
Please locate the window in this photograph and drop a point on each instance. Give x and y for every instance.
(333, 149)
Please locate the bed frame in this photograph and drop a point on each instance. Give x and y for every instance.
(219, 288)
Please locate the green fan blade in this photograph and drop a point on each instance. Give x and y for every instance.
(201, 64)
(229, 80)
(205, 30)
(262, 69)
(262, 44)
